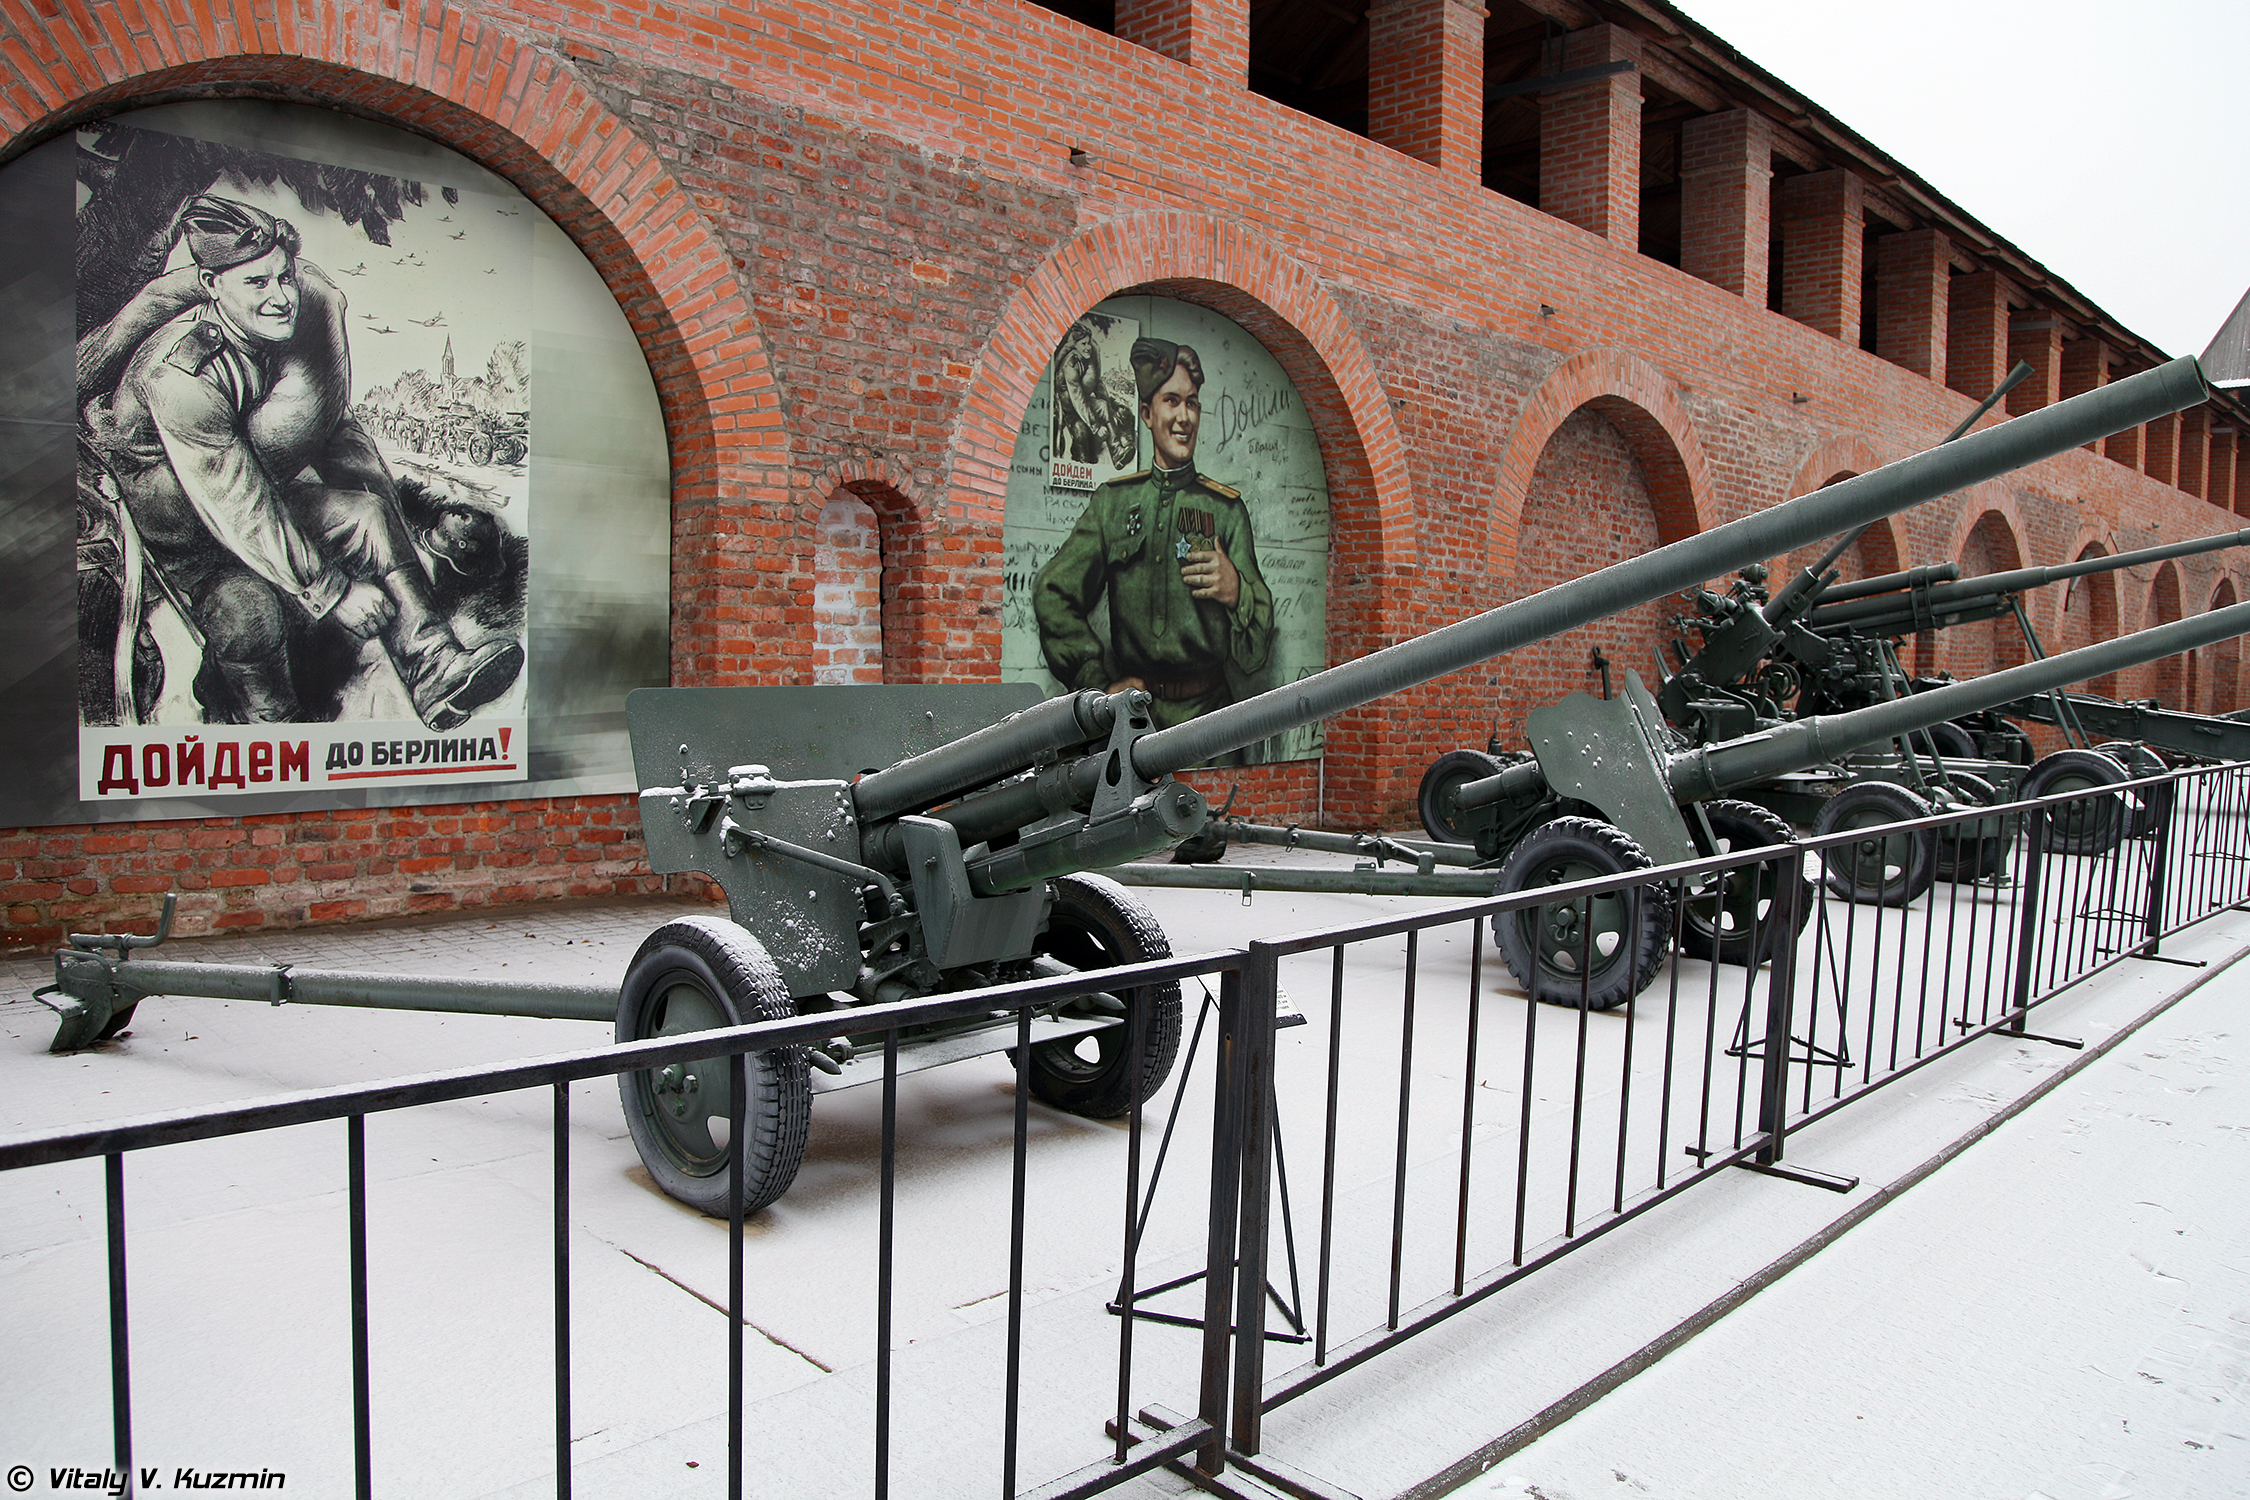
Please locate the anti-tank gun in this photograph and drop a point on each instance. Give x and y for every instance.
(884, 844)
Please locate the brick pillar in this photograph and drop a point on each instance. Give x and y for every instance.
(1726, 201)
(2242, 479)
(1425, 82)
(2160, 448)
(1911, 272)
(1210, 35)
(1976, 342)
(2223, 458)
(2195, 450)
(1823, 243)
(2085, 367)
(2036, 339)
(1590, 140)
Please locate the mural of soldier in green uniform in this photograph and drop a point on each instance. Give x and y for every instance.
(1167, 519)
(1170, 549)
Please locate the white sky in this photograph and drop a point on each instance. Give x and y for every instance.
(2095, 136)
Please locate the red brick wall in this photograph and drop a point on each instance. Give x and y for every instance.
(849, 236)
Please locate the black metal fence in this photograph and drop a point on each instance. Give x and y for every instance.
(1516, 1132)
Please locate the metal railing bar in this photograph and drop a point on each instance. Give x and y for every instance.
(120, 1342)
(562, 1291)
(1405, 1103)
(1132, 1228)
(1585, 907)
(1468, 1105)
(1328, 1156)
(1671, 1055)
(738, 1151)
(1523, 1125)
(1625, 1062)
(363, 1438)
(1018, 1190)
(886, 1241)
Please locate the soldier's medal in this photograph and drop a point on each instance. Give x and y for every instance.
(1133, 521)
(1181, 547)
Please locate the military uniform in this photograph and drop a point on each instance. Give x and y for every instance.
(1129, 544)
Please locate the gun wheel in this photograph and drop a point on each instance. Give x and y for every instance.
(1728, 918)
(697, 974)
(1973, 851)
(1095, 923)
(1448, 774)
(1882, 866)
(2090, 825)
(1599, 951)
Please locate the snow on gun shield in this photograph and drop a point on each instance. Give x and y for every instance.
(886, 843)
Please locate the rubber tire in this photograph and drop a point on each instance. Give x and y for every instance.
(2093, 826)
(696, 974)
(1543, 951)
(1965, 858)
(1718, 929)
(1952, 741)
(1095, 923)
(1846, 868)
(1455, 768)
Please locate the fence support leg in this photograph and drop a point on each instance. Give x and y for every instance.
(2027, 917)
(1781, 995)
(1254, 1105)
(2161, 799)
(1225, 1204)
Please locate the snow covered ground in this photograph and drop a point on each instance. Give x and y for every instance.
(1990, 1332)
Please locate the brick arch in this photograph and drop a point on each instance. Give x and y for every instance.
(524, 114)
(920, 643)
(2223, 679)
(1977, 648)
(2165, 680)
(1640, 401)
(1838, 458)
(2081, 611)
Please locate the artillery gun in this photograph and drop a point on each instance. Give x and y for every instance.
(1738, 678)
(1830, 648)
(855, 876)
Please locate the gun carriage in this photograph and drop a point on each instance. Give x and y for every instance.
(883, 844)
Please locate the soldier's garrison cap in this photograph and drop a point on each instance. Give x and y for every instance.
(222, 233)
(1154, 360)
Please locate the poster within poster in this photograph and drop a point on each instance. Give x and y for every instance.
(304, 421)
(1196, 568)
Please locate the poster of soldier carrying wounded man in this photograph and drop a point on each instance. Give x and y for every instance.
(303, 447)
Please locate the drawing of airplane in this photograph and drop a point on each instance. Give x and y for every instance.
(382, 330)
(428, 322)
(464, 234)
(358, 270)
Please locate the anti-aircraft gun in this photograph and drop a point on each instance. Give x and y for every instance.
(855, 877)
(1831, 648)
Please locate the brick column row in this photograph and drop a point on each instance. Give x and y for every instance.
(1425, 82)
(1590, 139)
(1212, 36)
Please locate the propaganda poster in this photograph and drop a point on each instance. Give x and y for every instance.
(1167, 520)
(303, 393)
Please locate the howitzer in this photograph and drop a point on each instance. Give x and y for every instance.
(855, 876)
